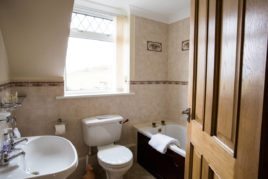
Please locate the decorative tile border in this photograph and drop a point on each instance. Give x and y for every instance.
(4, 86)
(44, 84)
(29, 84)
(40, 84)
(158, 82)
(35, 84)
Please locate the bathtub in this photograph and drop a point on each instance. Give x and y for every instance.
(162, 166)
(171, 129)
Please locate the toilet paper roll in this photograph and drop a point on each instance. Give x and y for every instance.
(60, 129)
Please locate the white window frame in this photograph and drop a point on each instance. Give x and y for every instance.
(91, 9)
(91, 36)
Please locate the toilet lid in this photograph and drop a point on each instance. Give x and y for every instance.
(115, 155)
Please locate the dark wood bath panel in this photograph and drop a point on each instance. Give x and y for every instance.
(161, 166)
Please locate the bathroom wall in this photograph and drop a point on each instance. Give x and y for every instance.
(158, 92)
(178, 68)
(4, 68)
(170, 65)
(4, 78)
(150, 65)
(44, 26)
(40, 109)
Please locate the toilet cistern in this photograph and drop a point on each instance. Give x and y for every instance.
(102, 132)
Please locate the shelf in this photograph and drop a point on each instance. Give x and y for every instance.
(12, 106)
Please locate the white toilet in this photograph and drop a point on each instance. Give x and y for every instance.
(103, 131)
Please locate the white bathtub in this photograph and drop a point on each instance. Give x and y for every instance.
(171, 129)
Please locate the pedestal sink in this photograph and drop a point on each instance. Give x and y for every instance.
(46, 157)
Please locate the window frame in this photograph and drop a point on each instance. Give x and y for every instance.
(122, 85)
(92, 36)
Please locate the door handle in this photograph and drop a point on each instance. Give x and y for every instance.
(188, 113)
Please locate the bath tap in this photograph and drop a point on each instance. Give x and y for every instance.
(153, 124)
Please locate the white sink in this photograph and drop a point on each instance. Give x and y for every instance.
(46, 157)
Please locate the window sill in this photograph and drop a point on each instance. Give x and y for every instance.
(77, 96)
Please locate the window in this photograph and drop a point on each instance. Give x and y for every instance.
(96, 61)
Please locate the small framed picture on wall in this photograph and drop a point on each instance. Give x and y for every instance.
(185, 45)
(154, 46)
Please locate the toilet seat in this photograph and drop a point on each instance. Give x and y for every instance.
(114, 156)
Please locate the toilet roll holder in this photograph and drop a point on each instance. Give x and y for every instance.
(60, 127)
(60, 121)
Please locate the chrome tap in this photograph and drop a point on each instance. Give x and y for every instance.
(154, 124)
(16, 142)
(11, 134)
(8, 147)
(5, 158)
(12, 121)
(11, 140)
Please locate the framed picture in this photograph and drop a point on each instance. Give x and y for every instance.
(154, 46)
(185, 45)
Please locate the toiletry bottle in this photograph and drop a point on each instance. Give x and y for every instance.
(6, 146)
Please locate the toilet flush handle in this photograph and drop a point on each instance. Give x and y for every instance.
(124, 121)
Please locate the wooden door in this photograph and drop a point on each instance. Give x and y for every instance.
(228, 47)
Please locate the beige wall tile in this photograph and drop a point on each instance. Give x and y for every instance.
(150, 65)
(177, 69)
(4, 68)
(178, 59)
(177, 102)
(40, 111)
(3, 124)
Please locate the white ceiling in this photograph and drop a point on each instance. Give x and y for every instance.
(167, 11)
